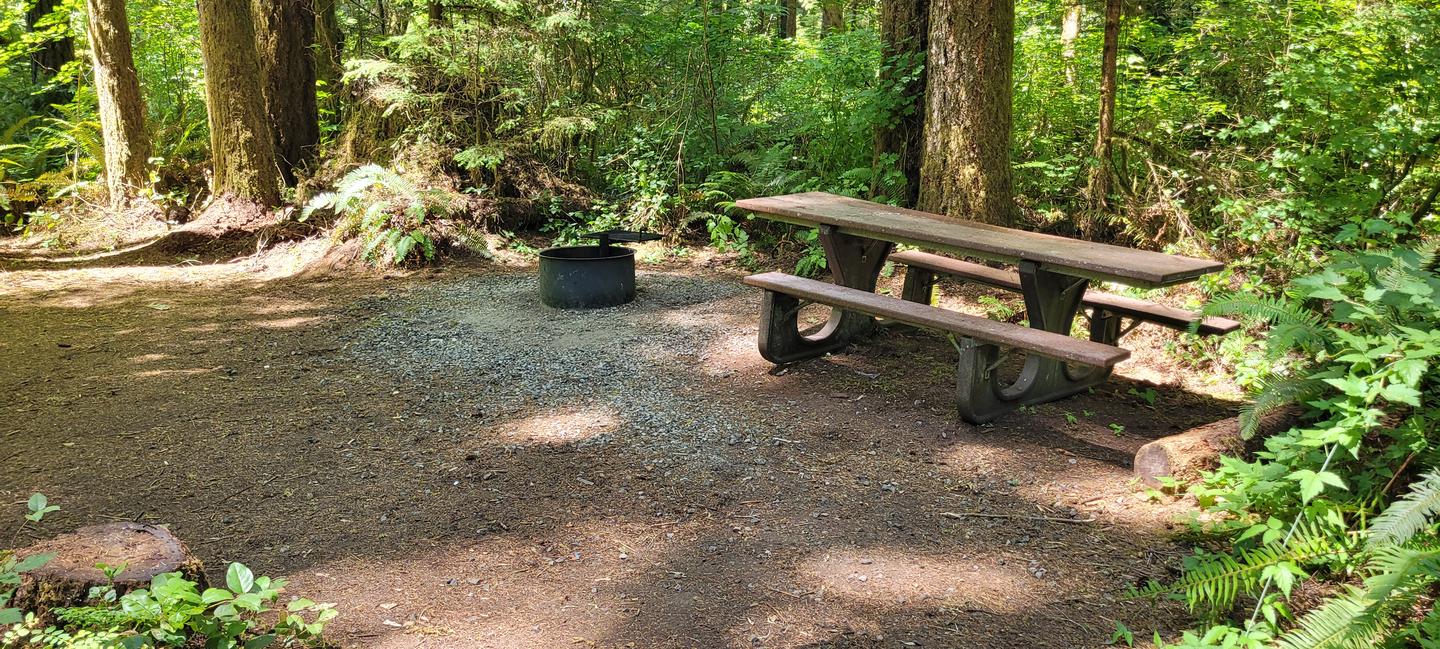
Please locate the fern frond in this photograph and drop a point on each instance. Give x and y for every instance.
(1274, 395)
(1407, 515)
(1344, 622)
(1220, 580)
(1269, 309)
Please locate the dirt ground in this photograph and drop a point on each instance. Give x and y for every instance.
(456, 465)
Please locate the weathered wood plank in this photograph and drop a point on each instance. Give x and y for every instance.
(1060, 254)
(1042, 343)
(1160, 314)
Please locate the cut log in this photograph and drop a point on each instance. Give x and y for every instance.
(145, 550)
(1185, 455)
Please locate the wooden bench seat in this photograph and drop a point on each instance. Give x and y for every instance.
(1118, 304)
(1035, 341)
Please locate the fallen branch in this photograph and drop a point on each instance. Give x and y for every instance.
(1052, 519)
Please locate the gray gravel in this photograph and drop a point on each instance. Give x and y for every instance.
(496, 349)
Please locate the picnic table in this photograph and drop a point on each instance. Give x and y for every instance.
(1054, 274)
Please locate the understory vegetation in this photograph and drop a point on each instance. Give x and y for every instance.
(1297, 141)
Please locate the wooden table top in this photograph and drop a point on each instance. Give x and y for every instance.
(1075, 257)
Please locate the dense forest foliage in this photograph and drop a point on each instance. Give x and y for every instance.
(1297, 141)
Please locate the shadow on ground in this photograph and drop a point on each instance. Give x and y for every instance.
(457, 466)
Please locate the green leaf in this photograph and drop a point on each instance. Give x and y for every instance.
(248, 602)
(11, 616)
(239, 578)
(299, 604)
(260, 641)
(37, 502)
(1313, 483)
(1401, 393)
(215, 596)
(33, 561)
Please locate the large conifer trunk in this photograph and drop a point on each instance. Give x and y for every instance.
(904, 30)
(240, 143)
(966, 170)
(285, 36)
(51, 55)
(122, 108)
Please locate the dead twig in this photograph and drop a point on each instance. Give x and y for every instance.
(1052, 519)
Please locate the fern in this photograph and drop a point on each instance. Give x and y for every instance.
(1345, 622)
(1217, 581)
(1408, 515)
(1274, 395)
(1361, 617)
(1292, 326)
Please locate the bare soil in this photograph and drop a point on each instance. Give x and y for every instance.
(456, 465)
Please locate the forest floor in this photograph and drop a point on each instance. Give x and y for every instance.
(456, 465)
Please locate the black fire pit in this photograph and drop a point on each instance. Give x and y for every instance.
(591, 277)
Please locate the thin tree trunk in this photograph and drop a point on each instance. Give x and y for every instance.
(1098, 190)
(54, 52)
(832, 17)
(436, 13)
(905, 33)
(966, 169)
(328, 44)
(1069, 33)
(240, 143)
(788, 19)
(122, 108)
(285, 32)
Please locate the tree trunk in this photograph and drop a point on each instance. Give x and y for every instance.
(436, 11)
(285, 32)
(328, 43)
(240, 143)
(122, 108)
(1069, 33)
(788, 19)
(54, 52)
(1186, 455)
(904, 30)
(966, 169)
(1098, 190)
(832, 17)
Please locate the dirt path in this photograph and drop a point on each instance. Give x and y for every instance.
(457, 466)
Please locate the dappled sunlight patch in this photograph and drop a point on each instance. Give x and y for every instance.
(891, 578)
(288, 323)
(193, 371)
(566, 587)
(565, 426)
(148, 358)
(1105, 498)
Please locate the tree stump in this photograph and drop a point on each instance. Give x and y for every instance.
(1185, 455)
(146, 551)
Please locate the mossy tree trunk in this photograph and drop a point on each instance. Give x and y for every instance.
(1098, 189)
(285, 39)
(904, 30)
(966, 170)
(832, 17)
(789, 18)
(240, 144)
(57, 49)
(328, 42)
(122, 108)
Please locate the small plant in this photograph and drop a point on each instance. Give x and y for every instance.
(1122, 634)
(1070, 418)
(1118, 429)
(11, 568)
(1148, 395)
(385, 210)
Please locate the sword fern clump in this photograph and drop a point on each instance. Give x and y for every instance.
(1361, 341)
